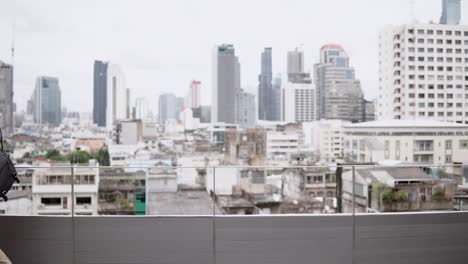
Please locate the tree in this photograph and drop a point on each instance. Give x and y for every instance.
(79, 157)
(102, 156)
(54, 154)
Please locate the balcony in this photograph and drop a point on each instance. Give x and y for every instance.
(191, 225)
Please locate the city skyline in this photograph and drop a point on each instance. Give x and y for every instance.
(150, 73)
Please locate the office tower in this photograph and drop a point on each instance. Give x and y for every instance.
(192, 99)
(295, 64)
(226, 83)
(246, 110)
(265, 87)
(110, 94)
(100, 93)
(339, 94)
(46, 100)
(127, 104)
(6, 98)
(451, 12)
(170, 107)
(299, 102)
(423, 72)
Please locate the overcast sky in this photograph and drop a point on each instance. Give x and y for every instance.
(162, 45)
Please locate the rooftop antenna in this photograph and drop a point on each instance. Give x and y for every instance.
(13, 29)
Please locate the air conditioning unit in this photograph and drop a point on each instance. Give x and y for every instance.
(86, 206)
(41, 206)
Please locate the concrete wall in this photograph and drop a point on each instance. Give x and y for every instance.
(403, 238)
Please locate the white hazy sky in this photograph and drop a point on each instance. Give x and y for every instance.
(162, 45)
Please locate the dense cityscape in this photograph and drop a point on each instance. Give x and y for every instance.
(273, 152)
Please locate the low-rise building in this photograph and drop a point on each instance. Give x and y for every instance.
(52, 191)
(396, 189)
(415, 141)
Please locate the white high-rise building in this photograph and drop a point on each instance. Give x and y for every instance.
(192, 99)
(423, 72)
(299, 102)
(116, 95)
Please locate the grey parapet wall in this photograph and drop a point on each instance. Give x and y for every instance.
(376, 238)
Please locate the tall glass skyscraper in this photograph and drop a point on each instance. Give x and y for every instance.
(265, 103)
(226, 84)
(47, 100)
(100, 93)
(451, 12)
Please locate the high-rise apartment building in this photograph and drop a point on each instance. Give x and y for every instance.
(6, 98)
(47, 101)
(100, 93)
(246, 110)
(451, 12)
(423, 72)
(193, 97)
(226, 83)
(339, 94)
(299, 102)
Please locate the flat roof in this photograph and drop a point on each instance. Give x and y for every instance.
(398, 123)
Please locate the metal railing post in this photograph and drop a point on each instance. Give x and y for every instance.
(73, 210)
(214, 215)
(354, 216)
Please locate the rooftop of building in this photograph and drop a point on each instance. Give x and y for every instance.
(187, 202)
(417, 123)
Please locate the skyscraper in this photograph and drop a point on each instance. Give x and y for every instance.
(170, 107)
(299, 95)
(451, 12)
(277, 100)
(296, 66)
(192, 99)
(265, 88)
(100, 93)
(339, 94)
(110, 94)
(127, 104)
(226, 83)
(47, 101)
(6, 98)
(116, 95)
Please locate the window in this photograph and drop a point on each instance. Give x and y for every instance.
(83, 200)
(463, 144)
(51, 201)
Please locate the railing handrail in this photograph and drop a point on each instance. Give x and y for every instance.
(246, 166)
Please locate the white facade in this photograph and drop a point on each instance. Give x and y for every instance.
(51, 188)
(299, 102)
(280, 145)
(193, 97)
(326, 137)
(423, 72)
(116, 95)
(418, 141)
